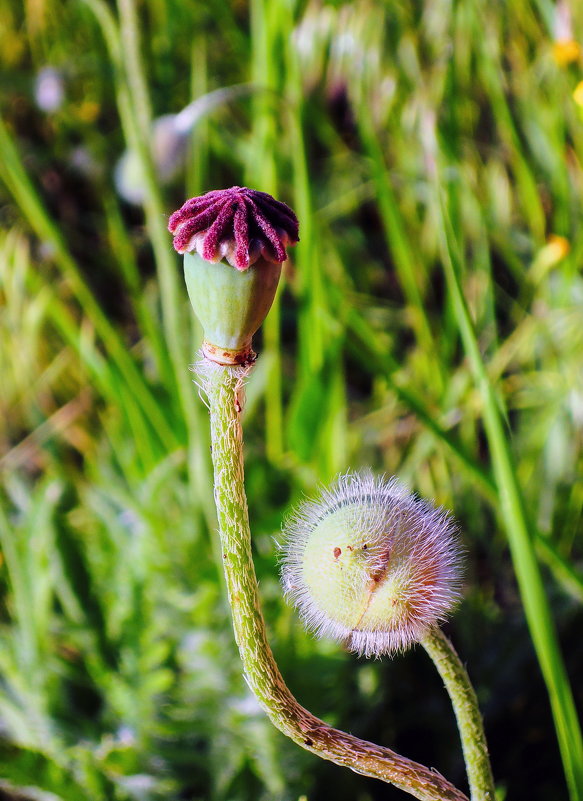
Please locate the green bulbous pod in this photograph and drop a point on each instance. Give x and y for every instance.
(230, 304)
(371, 565)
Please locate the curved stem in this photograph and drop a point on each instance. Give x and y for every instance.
(467, 713)
(223, 387)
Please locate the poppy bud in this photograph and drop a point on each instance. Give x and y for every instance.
(370, 564)
(234, 241)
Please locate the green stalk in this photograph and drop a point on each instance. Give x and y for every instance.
(521, 538)
(223, 387)
(467, 713)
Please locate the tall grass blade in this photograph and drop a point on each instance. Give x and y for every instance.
(518, 530)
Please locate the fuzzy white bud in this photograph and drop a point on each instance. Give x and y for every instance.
(371, 565)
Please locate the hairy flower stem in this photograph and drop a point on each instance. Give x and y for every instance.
(223, 387)
(465, 705)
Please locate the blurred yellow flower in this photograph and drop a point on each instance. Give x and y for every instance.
(566, 51)
(554, 251)
(578, 94)
(88, 111)
(558, 247)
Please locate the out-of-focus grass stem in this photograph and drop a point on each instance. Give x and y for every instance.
(261, 174)
(198, 155)
(526, 182)
(139, 125)
(309, 261)
(319, 345)
(396, 238)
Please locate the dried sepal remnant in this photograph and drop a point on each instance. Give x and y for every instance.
(238, 224)
(371, 565)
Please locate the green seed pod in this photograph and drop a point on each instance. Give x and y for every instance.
(369, 564)
(234, 242)
(230, 304)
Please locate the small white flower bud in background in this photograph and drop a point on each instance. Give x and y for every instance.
(49, 91)
(170, 137)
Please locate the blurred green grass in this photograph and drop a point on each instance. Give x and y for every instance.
(408, 137)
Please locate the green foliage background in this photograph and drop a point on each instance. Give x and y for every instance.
(406, 136)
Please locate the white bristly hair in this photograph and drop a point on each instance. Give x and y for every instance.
(395, 540)
(207, 372)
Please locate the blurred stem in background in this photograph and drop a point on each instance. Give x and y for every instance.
(198, 160)
(399, 245)
(319, 392)
(134, 109)
(280, 111)
(265, 45)
(139, 122)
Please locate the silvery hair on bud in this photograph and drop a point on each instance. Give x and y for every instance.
(392, 521)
